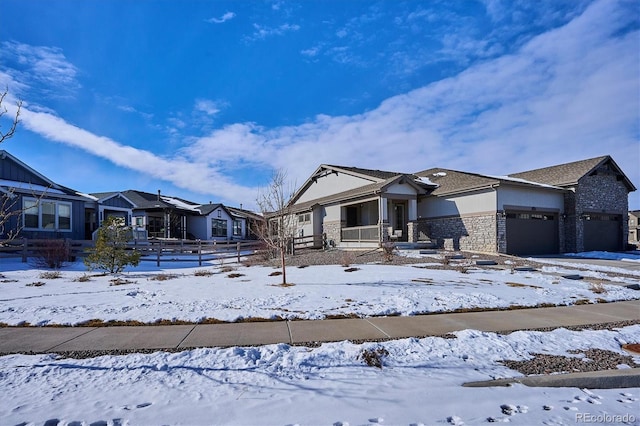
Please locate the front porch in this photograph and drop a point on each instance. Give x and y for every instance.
(371, 222)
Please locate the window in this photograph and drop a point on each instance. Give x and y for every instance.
(156, 225)
(237, 228)
(304, 218)
(218, 228)
(47, 214)
(139, 221)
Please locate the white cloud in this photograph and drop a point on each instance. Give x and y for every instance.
(46, 67)
(207, 106)
(568, 94)
(261, 31)
(224, 18)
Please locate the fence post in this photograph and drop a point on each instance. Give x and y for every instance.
(24, 250)
(238, 248)
(199, 252)
(158, 254)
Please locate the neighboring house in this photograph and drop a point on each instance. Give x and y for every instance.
(634, 228)
(567, 208)
(160, 216)
(217, 222)
(47, 209)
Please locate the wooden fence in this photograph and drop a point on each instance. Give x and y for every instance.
(158, 250)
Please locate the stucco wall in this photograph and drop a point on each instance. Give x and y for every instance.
(552, 200)
(331, 184)
(483, 201)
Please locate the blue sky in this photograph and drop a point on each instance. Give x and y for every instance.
(204, 99)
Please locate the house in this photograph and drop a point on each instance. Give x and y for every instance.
(160, 216)
(36, 207)
(634, 228)
(358, 207)
(150, 215)
(571, 207)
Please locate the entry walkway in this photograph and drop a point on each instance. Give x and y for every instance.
(64, 339)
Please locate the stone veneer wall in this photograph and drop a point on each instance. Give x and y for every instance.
(332, 230)
(600, 193)
(475, 233)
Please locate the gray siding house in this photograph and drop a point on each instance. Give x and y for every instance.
(572, 207)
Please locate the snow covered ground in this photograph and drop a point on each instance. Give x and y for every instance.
(420, 382)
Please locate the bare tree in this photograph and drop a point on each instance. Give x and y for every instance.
(8, 200)
(277, 229)
(3, 110)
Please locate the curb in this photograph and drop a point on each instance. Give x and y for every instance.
(605, 379)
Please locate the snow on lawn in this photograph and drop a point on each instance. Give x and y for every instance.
(191, 293)
(419, 384)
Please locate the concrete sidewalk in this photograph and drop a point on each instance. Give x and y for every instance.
(64, 339)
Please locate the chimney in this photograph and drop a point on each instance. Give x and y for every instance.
(240, 206)
(158, 195)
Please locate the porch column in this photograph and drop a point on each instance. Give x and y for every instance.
(167, 225)
(383, 219)
(184, 227)
(412, 224)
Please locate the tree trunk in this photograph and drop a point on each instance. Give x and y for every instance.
(283, 263)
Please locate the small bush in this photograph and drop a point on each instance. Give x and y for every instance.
(388, 250)
(52, 254)
(275, 273)
(83, 278)
(121, 281)
(51, 275)
(111, 253)
(226, 269)
(202, 273)
(236, 275)
(347, 258)
(36, 284)
(374, 357)
(164, 277)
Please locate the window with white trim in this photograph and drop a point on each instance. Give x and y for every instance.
(46, 214)
(237, 228)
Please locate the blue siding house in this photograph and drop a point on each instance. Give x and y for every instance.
(36, 207)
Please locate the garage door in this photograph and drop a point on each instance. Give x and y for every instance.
(602, 232)
(532, 233)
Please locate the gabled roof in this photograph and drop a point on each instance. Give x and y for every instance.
(363, 191)
(569, 174)
(146, 200)
(379, 179)
(45, 185)
(367, 173)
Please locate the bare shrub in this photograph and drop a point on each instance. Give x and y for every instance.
(203, 273)
(83, 278)
(388, 250)
(374, 357)
(35, 284)
(52, 254)
(120, 281)
(235, 275)
(51, 275)
(164, 277)
(347, 258)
